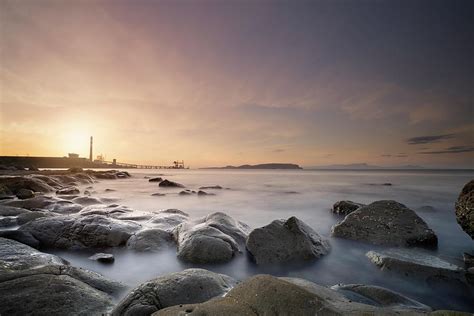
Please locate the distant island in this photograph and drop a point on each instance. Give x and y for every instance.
(362, 166)
(261, 166)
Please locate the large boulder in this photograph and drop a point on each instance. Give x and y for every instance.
(17, 256)
(150, 240)
(214, 238)
(345, 207)
(68, 191)
(6, 210)
(185, 287)
(43, 294)
(268, 295)
(285, 241)
(55, 289)
(416, 264)
(25, 194)
(22, 237)
(15, 184)
(386, 223)
(465, 209)
(79, 232)
(47, 203)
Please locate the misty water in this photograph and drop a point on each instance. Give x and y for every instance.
(259, 197)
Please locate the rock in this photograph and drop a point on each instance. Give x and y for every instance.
(203, 193)
(379, 296)
(168, 219)
(51, 295)
(17, 256)
(210, 239)
(284, 241)
(159, 179)
(416, 264)
(110, 190)
(185, 287)
(170, 184)
(86, 200)
(15, 184)
(345, 207)
(112, 210)
(28, 217)
(212, 187)
(47, 203)
(185, 192)
(468, 260)
(56, 290)
(11, 210)
(158, 194)
(386, 223)
(465, 209)
(22, 237)
(150, 240)
(78, 232)
(25, 194)
(7, 222)
(68, 191)
(32, 168)
(268, 295)
(103, 257)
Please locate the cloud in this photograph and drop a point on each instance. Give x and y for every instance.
(429, 139)
(451, 150)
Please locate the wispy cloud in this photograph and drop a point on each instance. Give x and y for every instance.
(451, 150)
(429, 139)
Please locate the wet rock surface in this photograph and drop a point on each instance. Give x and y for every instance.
(386, 223)
(465, 209)
(268, 295)
(103, 257)
(79, 232)
(416, 264)
(210, 239)
(185, 287)
(285, 241)
(170, 184)
(150, 240)
(345, 207)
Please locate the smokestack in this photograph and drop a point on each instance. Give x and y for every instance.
(90, 151)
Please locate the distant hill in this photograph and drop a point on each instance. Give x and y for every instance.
(261, 166)
(363, 166)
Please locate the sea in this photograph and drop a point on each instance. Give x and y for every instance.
(257, 197)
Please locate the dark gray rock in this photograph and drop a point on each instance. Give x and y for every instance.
(25, 194)
(68, 191)
(17, 256)
(210, 239)
(28, 217)
(416, 264)
(6, 210)
(185, 192)
(86, 200)
(345, 207)
(185, 287)
(170, 184)
(204, 193)
(386, 223)
(47, 203)
(78, 232)
(150, 240)
(15, 184)
(465, 209)
(284, 241)
(103, 257)
(7, 222)
(22, 237)
(380, 297)
(158, 179)
(212, 187)
(112, 210)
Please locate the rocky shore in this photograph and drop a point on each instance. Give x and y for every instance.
(44, 210)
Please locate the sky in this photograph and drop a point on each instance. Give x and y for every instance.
(216, 83)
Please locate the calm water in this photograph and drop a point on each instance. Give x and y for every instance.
(258, 197)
